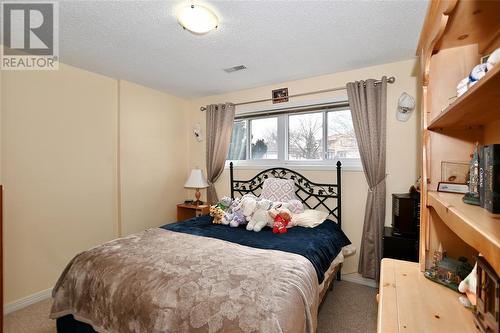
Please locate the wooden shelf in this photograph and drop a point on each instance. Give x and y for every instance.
(479, 106)
(411, 303)
(473, 224)
(472, 22)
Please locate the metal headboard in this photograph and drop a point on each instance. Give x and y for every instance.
(313, 195)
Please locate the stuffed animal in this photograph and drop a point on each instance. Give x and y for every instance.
(224, 203)
(248, 205)
(237, 219)
(281, 219)
(468, 286)
(217, 213)
(229, 213)
(234, 215)
(218, 210)
(260, 217)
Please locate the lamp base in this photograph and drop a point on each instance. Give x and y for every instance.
(197, 195)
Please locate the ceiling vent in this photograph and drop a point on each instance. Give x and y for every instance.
(235, 69)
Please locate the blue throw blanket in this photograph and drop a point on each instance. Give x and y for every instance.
(320, 245)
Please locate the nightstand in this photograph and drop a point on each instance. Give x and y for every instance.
(399, 247)
(187, 211)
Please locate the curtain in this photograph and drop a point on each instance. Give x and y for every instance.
(220, 119)
(368, 103)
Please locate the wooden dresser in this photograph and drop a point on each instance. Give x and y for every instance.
(454, 38)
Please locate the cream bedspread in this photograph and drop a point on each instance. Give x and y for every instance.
(164, 281)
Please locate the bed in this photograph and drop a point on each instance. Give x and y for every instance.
(195, 276)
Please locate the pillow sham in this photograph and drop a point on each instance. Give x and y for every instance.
(310, 218)
(278, 190)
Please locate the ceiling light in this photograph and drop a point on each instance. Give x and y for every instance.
(197, 19)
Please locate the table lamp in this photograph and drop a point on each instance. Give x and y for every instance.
(196, 180)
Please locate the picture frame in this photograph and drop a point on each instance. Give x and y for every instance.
(280, 95)
(450, 187)
(484, 59)
(454, 172)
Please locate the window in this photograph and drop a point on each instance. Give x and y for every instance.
(301, 137)
(264, 138)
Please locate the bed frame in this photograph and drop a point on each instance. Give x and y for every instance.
(313, 195)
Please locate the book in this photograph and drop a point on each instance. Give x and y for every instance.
(481, 176)
(492, 178)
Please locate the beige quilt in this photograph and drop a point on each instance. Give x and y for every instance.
(165, 281)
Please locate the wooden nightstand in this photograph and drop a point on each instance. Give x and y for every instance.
(187, 211)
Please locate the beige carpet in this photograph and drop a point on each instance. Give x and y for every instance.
(349, 308)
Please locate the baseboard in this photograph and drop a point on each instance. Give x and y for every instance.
(357, 278)
(27, 301)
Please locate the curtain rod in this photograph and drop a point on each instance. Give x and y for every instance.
(391, 79)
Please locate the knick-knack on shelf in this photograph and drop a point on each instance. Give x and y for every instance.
(472, 197)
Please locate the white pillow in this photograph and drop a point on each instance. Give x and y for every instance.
(310, 218)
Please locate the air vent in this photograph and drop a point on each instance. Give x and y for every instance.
(235, 69)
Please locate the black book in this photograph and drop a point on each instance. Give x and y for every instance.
(492, 178)
(481, 175)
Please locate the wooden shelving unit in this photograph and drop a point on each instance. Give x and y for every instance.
(455, 35)
(414, 304)
(473, 224)
(474, 108)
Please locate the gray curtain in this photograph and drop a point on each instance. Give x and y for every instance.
(220, 119)
(368, 103)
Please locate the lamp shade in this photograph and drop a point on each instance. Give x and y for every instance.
(196, 179)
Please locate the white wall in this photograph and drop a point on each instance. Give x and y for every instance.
(402, 139)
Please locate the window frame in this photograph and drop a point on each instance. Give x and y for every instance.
(351, 164)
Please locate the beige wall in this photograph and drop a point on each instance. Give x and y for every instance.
(61, 165)
(59, 157)
(153, 155)
(402, 139)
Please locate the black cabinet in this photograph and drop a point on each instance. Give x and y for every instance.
(399, 247)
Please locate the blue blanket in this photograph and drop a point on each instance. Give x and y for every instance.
(320, 245)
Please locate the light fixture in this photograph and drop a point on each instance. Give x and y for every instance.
(197, 19)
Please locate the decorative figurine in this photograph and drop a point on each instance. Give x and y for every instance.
(472, 197)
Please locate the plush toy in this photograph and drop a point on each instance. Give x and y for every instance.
(468, 287)
(248, 204)
(234, 215)
(229, 213)
(217, 213)
(260, 217)
(237, 219)
(224, 203)
(218, 210)
(281, 219)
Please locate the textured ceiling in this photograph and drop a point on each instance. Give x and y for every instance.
(141, 41)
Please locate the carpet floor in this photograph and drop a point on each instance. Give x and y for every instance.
(349, 308)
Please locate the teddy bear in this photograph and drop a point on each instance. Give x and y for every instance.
(260, 217)
(281, 220)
